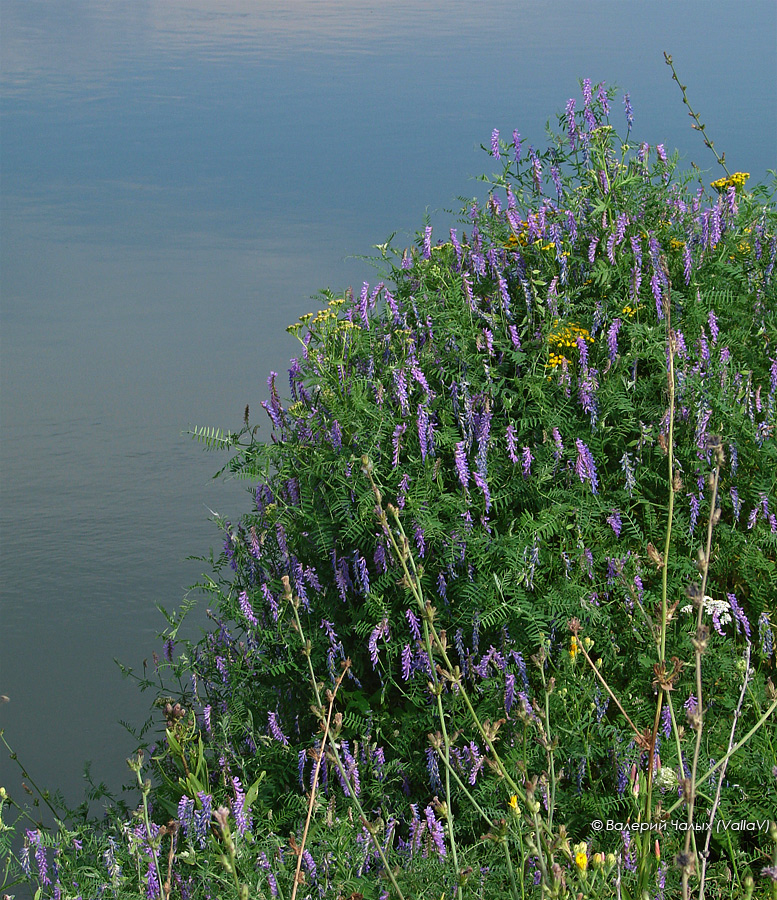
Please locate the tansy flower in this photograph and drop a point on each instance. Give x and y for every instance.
(574, 647)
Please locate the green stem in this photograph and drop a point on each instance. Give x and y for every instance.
(333, 746)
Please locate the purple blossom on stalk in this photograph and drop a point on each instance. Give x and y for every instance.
(398, 432)
(456, 247)
(592, 250)
(612, 339)
(206, 715)
(713, 323)
(526, 461)
(442, 586)
(658, 296)
(427, 242)
(423, 430)
(514, 339)
(241, 814)
(495, 144)
(585, 466)
(380, 631)
(460, 456)
(739, 615)
(246, 609)
(558, 452)
(661, 152)
(556, 178)
(433, 769)
(400, 387)
(571, 126)
(511, 445)
(517, 146)
(765, 635)
(436, 832)
(420, 540)
(271, 601)
(202, 817)
(614, 521)
(509, 692)
(404, 484)
(275, 729)
(687, 262)
(413, 624)
(629, 111)
(336, 436)
(407, 662)
(361, 573)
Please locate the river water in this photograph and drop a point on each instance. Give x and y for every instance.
(178, 180)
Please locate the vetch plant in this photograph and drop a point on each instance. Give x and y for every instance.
(447, 651)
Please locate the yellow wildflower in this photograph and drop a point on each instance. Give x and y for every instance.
(574, 647)
(581, 856)
(737, 181)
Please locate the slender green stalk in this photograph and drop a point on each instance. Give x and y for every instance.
(145, 788)
(294, 604)
(700, 646)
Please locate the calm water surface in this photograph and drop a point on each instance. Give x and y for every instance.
(178, 178)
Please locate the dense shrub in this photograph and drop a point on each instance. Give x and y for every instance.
(526, 486)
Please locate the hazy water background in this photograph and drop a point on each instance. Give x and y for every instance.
(178, 178)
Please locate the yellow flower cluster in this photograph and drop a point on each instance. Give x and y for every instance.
(574, 647)
(567, 335)
(737, 180)
(631, 310)
(674, 244)
(557, 359)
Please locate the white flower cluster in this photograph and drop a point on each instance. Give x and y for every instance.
(720, 610)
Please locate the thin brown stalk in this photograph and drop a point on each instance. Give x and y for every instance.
(316, 771)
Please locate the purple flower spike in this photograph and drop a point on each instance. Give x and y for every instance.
(517, 146)
(629, 111)
(585, 466)
(495, 144)
(427, 242)
(246, 609)
(460, 455)
(381, 631)
(526, 460)
(275, 729)
(511, 445)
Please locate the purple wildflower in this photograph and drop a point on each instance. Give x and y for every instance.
(612, 339)
(275, 729)
(517, 146)
(592, 250)
(433, 769)
(687, 262)
(661, 152)
(380, 631)
(571, 126)
(407, 661)
(398, 432)
(629, 111)
(765, 635)
(413, 624)
(509, 692)
(585, 466)
(514, 339)
(420, 540)
(246, 609)
(511, 445)
(495, 144)
(239, 811)
(362, 575)
(427, 242)
(202, 817)
(436, 832)
(460, 455)
(614, 521)
(527, 460)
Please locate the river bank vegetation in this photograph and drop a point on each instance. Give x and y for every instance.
(500, 619)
